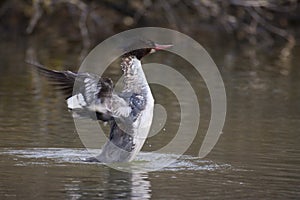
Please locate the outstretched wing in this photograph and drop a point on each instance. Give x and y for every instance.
(93, 96)
(62, 80)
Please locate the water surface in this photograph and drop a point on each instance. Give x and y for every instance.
(257, 156)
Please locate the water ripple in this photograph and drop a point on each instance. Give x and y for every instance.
(65, 156)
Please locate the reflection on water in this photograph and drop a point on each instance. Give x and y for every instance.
(114, 184)
(257, 156)
(110, 183)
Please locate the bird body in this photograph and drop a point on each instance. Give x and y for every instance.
(129, 112)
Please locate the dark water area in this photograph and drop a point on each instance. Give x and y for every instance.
(256, 157)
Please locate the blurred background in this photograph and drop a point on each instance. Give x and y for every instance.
(74, 26)
(255, 45)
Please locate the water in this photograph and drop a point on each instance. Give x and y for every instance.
(256, 157)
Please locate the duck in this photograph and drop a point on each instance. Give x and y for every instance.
(129, 112)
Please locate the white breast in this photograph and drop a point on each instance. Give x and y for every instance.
(143, 124)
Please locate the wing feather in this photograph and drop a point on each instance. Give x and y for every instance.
(94, 98)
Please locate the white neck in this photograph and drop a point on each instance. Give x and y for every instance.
(134, 78)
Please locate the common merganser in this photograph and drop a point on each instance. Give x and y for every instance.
(129, 112)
